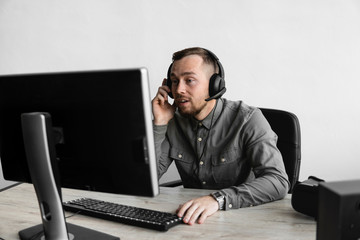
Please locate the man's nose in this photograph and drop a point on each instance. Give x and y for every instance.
(180, 88)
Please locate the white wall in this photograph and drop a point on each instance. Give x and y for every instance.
(299, 55)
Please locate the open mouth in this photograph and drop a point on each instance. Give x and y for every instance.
(182, 101)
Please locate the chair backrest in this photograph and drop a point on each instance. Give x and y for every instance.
(286, 125)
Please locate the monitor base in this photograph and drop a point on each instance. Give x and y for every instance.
(75, 233)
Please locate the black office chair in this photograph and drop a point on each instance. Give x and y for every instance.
(286, 125)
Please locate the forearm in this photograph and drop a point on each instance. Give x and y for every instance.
(161, 144)
(159, 137)
(260, 190)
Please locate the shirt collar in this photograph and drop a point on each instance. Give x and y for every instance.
(210, 118)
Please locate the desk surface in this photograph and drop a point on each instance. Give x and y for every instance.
(276, 220)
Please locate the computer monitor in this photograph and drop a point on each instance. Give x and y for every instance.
(101, 126)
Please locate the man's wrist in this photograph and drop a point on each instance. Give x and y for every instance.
(160, 122)
(220, 199)
(160, 126)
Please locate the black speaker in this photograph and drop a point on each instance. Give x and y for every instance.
(216, 83)
(305, 196)
(339, 211)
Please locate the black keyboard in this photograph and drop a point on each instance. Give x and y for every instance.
(134, 216)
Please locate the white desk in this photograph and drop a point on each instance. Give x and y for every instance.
(276, 220)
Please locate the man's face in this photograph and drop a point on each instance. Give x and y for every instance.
(190, 86)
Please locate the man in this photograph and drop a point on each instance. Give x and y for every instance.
(215, 143)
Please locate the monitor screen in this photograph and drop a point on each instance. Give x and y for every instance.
(102, 128)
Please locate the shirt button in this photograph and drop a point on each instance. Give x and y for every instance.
(201, 162)
(180, 155)
(200, 124)
(204, 183)
(199, 139)
(223, 159)
(230, 205)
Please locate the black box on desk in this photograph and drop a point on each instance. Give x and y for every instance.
(339, 211)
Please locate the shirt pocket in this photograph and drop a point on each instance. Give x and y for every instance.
(226, 166)
(183, 160)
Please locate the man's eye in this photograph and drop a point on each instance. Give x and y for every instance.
(174, 82)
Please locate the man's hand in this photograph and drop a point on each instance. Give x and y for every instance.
(163, 111)
(198, 209)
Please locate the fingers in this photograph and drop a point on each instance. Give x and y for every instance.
(162, 95)
(183, 209)
(163, 111)
(197, 210)
(164, 82)
(163, 92)
(204, 215)
(194, 214)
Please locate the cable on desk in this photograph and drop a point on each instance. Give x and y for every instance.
(70, 216)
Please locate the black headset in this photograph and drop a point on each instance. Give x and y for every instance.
(216, 84)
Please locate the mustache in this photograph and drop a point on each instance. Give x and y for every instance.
(179, 96)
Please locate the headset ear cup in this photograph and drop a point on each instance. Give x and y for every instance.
(168, 81)
(169, 84)
(216, 85)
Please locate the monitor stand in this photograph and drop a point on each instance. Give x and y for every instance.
(40, 154)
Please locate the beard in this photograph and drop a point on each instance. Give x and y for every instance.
(192, 112)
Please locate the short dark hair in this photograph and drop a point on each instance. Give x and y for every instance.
(203, 53)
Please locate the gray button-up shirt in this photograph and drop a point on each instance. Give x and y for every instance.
(232, 150)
